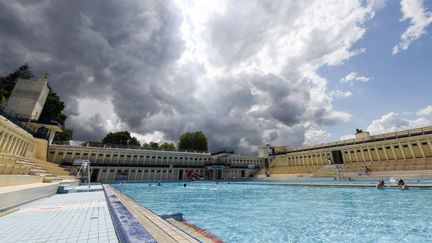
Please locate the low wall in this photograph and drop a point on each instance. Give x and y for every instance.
(16, 195)
(14, 180)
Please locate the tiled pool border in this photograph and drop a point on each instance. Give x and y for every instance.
(128, 229)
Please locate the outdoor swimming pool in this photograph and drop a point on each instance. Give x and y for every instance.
(264, 213)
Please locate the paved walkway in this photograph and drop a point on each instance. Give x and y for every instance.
(74, 217)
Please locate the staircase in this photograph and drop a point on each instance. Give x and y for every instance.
(54, 172)
(263, 173)
(11, 164)
(329, 171)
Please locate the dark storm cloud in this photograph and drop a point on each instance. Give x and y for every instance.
(109, 50)
(126, 59)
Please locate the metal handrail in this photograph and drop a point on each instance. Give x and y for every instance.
(119, 146)
(12, 116)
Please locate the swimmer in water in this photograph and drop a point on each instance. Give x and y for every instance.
(380, 184)
(402, 185)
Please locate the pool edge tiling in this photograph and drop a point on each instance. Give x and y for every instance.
(127, 227)
(160, 229)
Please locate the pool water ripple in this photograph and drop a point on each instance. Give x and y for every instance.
(263, 213)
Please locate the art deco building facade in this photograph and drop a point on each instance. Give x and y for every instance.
(110, 164)
(403, 150)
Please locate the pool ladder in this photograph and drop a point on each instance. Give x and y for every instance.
(339, 172)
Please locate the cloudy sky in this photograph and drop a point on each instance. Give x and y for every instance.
(246, 73)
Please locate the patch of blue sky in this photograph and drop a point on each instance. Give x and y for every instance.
(399, 83)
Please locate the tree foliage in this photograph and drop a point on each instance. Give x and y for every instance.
(93, 144)
(53, 108)
(151, 146)
(8, 82)
(64, 136)
(167, 147)
(120, 138)
(193, 141)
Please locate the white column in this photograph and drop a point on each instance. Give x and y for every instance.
(370, 154)
(11, 144)
(385, 153)
(17, 148)
(21, 150)
(394, 152)
(430, 145)
(17, 144)
(5, 142)
(419, 144)
(3, 134)
(362, 153)
(356, 155)
(377, 153)
(402, 151)
(107, 173)
(411, 150)
(349, 156)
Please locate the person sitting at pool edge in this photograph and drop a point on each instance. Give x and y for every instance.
(380, 184)
(402, 185)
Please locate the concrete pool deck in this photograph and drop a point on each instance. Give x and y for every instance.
(84, 214)
(13, 196)
(74, 217)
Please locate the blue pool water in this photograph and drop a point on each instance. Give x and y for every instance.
(264, 213)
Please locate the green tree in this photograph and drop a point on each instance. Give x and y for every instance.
(53, 108)
(167, 146)
(64, 136)
(120, 138)
(93, 144)
(193, 141)
(151, 146)
(8, 83)
(154, 146)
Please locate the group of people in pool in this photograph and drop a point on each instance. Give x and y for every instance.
(159, 184)
(401, 184)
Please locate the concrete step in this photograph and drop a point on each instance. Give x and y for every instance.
(49, 179)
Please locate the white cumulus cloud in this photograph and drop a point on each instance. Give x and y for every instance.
(313, 136)
(352, 77)
(393, 121)
(245, 73)
(337, 94)
(420, 19)
(425, 111)
(348, 136)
